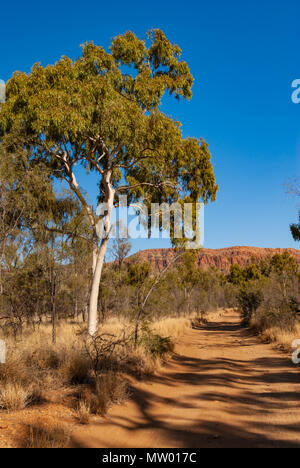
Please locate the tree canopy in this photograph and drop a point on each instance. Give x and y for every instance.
(103, 110)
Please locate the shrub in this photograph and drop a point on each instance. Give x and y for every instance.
(44, 358)
(280, 303)
(282, 318)
(77, 368)
(36, 394)
(109, 388)
(249, 299)
(156, 345)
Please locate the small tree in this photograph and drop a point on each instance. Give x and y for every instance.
(102, 111)
(295, 230)
(188, 276)
(119, 250)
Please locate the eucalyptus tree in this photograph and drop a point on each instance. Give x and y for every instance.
(25, 192)
(102, 111)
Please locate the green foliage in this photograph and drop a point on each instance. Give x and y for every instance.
(95, 112)
(236, 275)
(138, 273)
(284, 263)
(295, 230)
(281, 302)
(294, 188)
(252, 272)
(269, 292)
(156, 345)
(283, 317)
(249, 299)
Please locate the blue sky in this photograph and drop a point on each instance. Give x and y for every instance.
(244, 57)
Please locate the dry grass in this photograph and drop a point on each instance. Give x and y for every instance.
(110, 388)
(283, 339)
(83, 412)
(42, 435)
(172, 327)
(141, 363)
(34, 366)
(216, 314)
(14, 396)
(76, 369)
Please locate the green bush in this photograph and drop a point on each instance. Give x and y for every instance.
(282, 314)
(283, 318)
(249, 299)
(280, 302)
(156, 345)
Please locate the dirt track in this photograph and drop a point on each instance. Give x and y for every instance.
(223, 388)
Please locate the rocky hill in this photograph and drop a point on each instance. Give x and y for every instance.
(220, 258)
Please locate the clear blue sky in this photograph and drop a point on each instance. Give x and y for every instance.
(244, 57)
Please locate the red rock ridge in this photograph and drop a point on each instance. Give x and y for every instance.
(219, 258)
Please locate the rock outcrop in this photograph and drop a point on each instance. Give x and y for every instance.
(219, 258)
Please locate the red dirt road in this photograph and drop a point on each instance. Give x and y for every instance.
(223, 388)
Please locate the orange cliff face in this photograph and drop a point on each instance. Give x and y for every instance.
(219, 258)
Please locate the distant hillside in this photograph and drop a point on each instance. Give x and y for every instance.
(220, 258)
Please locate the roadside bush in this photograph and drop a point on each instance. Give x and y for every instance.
(249, 299)
(156, 345)
(280, 303)
(283, 318)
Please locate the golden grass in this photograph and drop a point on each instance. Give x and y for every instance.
(45, 435)
(110, 388)
(172, 327)
(69, 335)
(215, 314)
(83, 412)
(143, 363)
(34, 365)
(14, 396)
(283, 339)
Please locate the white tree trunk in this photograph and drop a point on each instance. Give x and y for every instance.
(98, 260)
(98, 252)
(97, 272)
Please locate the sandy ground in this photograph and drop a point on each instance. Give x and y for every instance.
(223, 388)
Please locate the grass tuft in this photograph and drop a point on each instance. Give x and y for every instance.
(40, 436)
(14, 396)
